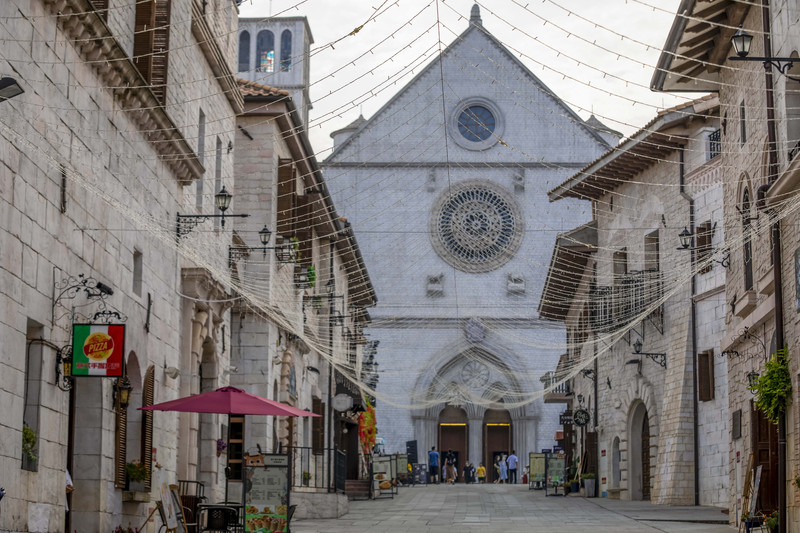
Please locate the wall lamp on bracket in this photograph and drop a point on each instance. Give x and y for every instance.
(589, 373)
(686, 238)
(752, 380)
(741, 44)
(122, 392)
(660, 358)
(186, 223)
(9, 88)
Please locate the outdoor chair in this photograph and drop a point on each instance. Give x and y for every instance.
(219, 518)
(192, 494)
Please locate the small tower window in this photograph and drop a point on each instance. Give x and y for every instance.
(286, 50)
(244, 51)
(265, 51)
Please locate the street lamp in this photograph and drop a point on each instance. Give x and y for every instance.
(186, 223)
(9, 88)
(122, 392)
(284, 252)
(686, 238)
(660, 358)
(741, 45)
(752, 380)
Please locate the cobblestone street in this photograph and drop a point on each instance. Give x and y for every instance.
(507, 508)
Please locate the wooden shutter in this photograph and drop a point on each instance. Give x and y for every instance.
(303, 232)
(705, 376)
(704, 233)
(120, 448)
(318, 426)
(286, 198)
(148, 395)
(101, 6)
(158, 79)
(143, 38)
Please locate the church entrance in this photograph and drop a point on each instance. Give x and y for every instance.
(496, 439)
(453, 435)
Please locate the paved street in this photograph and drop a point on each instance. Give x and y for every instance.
(506, 508)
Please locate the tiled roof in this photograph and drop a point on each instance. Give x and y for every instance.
(251, 88)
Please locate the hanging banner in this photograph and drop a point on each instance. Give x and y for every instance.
(98, 350)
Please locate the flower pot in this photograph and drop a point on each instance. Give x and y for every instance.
(574, 486)
(588, 485)
(135, 486)
(751, 524)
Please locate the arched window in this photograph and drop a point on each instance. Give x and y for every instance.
(748, 245)
(286, 50)
(265, 51)
(244, 51)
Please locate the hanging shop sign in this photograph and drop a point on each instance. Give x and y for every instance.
(565, 418)
(581, 417)
(342, 402)
(98, 350)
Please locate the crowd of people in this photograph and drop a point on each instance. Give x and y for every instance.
(444, 466)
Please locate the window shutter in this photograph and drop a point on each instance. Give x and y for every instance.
(286, 198)
(303, 226)
(704, 234)
(143, 38)
(158, 79)
(705, 376)
(120, 449)
(148, 395)
(318, 426)
(101, 6)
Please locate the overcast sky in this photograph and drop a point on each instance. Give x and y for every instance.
(598, 58)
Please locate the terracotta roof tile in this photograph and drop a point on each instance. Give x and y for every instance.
(251, 88)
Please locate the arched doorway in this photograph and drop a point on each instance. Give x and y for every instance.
(453, 434)
(639, 454)
(496, 438)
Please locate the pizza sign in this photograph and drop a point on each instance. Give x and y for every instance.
(98, 349)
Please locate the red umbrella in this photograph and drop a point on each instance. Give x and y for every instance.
(230, 401)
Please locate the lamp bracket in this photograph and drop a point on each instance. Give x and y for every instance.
(589, 373)
(781, 63)
(660, 358)
(186, 223)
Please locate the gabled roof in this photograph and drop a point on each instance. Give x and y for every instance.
(646, 147)
(475, 24)
(252, 89)
(697, 45)
(570, 256)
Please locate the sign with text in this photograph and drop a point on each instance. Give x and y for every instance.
(267, 495)
(565, 418)
(536, 467)
(98, 350)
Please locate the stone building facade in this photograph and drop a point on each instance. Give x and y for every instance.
(624, 291)
(126, 108)
(288, 341)
(759, 137)
(460, 348)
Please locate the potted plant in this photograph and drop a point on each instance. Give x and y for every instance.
(306, 478)
(221, 447)
(772, 521)
(312, 276)
(588, 484)
(574, 485)
(136, 473)
(29, 443)
(774, 388)
(751, 522)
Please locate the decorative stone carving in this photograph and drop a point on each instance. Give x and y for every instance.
(476, 226)
(474, 330)
(474, 374)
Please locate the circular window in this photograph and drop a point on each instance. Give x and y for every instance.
(476, 123)
(476, 226)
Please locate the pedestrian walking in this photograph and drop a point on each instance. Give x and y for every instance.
(472, 473)
(467, 470)
(481, 473)
(512, 467)
(503, 470)
(497, 470)
(433, 465)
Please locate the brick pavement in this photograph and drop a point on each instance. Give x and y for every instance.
(506, 508)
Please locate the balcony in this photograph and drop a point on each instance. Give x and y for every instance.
(631, 296)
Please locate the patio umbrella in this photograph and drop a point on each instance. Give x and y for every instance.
(229, 401)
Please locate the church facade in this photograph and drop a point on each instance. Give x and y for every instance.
(445, 187)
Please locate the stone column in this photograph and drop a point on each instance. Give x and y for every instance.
(475, 428)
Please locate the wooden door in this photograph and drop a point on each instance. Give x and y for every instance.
(646, 458)
(765, 453)
(453, 437)
(497, 440)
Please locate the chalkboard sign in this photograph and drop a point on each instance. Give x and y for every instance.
(402, 466)
(267, 495)
(419, 473)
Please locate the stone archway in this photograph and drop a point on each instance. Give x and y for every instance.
(497, 437)
(639, 453)
(453, 434)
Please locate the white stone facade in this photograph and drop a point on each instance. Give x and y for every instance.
(109, 215)
(457, 338)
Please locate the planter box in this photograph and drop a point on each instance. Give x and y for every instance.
(588, 485)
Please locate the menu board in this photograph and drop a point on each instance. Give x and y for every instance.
(167, 505)
(556, 468)
(267, 495)
(536, 465)
(402, 466)
(419, 473)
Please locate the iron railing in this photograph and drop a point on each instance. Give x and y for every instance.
(310, 468)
